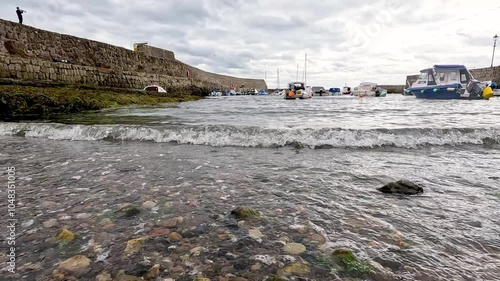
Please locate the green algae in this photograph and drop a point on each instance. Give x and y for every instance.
(345, 260)
(30, 102)
(128, 212)
(242, 212)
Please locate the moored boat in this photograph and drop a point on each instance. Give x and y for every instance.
(154, 88)
(369, 89)
(334, 91)
(297, 90)
(346, 90)
(449, 82)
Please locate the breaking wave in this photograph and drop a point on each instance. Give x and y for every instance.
(222, 135)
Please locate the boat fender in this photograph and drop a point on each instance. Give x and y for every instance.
(291, 94)
(487, 93)
(451, 89)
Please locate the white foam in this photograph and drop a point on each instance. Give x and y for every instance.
(257, 137)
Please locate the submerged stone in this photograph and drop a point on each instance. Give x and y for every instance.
(148, 205)
(294, 248)
(294, 269)
(129, 211)
(170, 223)
(342, 251)
(403, 244)
(153, 272)
(50, 223)
(65, 235)
(75, 265)
(255, 234)
(83, 216)
(401, 187)
(351, 263)
(174, 236)
(243, 212)
(104, 277)
(134, 245)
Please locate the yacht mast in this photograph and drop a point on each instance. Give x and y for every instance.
(278, 70)
(305, 70)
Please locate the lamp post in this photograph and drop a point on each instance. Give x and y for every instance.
(494, 45)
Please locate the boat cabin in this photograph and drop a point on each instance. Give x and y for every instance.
(367, 86)
(444, 75)
(346, 90)
(294, 86)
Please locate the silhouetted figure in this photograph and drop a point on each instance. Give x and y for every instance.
(19, 13)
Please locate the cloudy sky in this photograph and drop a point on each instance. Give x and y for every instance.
(345, 41)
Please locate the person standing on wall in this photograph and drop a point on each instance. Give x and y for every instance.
(19, 13)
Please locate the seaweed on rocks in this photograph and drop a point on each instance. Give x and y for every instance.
(39, 102)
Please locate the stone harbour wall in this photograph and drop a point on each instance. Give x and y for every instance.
(39, 70)
(393, 89)
(31, 53)
(154, 52)
(487, 73)
(411, 79)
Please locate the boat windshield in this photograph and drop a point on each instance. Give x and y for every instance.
(447, 76)
(423, 76)
(465, 76)
(297, 86)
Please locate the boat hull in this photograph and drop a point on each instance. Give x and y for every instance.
(437, 92)
(369, 93)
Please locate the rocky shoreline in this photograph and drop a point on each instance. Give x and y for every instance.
(224, 247)
(42, 100)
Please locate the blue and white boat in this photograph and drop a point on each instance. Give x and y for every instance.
(448, 82)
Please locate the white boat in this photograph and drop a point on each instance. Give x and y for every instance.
(308, 94)
(346, 90)
(297, 90)
(154, 88)
(278, 93)
(368, 89)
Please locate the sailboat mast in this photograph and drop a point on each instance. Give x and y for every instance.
(278, 70)
(305, 70)
(297, 72)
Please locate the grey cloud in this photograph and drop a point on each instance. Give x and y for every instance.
(248, 38)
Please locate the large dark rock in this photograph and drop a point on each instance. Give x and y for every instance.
(401, 187)
(243, 213)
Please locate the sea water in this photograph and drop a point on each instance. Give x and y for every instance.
(310, 167)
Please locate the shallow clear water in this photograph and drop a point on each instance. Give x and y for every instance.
(305, 164)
